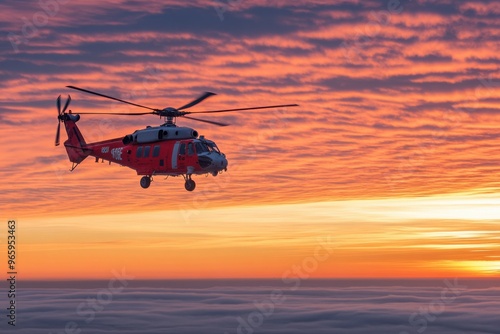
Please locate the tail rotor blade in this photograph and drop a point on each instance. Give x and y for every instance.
(66, 105)
(59, 105)
(58, 133)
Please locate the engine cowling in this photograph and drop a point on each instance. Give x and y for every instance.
(154, 134)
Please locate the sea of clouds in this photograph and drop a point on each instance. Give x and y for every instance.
(257, 306)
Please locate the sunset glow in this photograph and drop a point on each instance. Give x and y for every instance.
(390, 165)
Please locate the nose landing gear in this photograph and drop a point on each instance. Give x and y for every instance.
(145, 181)
(190, 184)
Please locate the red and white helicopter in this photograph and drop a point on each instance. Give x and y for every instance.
(167, 149)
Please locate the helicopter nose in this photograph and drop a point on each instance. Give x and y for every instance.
(219, 162)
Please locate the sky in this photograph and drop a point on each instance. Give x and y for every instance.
(388, 168)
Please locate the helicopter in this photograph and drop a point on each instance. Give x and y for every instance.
(167, 150)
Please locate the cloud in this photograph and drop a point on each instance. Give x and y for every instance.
(318, 306)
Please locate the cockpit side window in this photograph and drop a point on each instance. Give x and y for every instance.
(182, 149)
(200, 148)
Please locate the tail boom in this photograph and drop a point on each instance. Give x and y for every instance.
(75, 145)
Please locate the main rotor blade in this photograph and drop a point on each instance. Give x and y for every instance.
(59, 105)
(58, 133)
(241, 109)
(67, 103)
(205, 121)
(110, 97)
(198, 100)
(117, 113)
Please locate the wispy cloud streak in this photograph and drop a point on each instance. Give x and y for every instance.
(412, 112)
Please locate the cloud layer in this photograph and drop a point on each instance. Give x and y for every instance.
(214, 307)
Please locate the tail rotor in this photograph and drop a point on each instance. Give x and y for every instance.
(60, 116)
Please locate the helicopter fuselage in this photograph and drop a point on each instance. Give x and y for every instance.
(164, 150)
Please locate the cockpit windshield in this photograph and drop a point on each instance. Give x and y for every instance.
(206, 146)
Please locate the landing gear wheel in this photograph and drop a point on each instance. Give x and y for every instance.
(190, 185)
(145, 182)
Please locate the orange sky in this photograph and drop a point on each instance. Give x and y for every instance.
(405, 237)
(392, 155)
